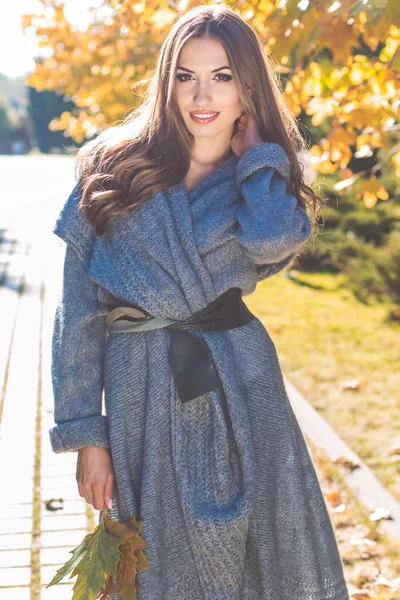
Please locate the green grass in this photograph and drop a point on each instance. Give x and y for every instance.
(324, 337)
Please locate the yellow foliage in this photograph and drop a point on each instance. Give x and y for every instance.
(396, 162)
(339, 37)
(372, 139)
(321, 108)
(371, 190)
(112, 552)
(327, 73)
(319, 159)
(393, 10)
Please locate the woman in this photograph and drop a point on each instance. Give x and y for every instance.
(177, 213)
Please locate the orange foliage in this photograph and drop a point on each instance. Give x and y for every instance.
(341, 60)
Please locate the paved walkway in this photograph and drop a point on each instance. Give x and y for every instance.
(42, 516)
(35, 537)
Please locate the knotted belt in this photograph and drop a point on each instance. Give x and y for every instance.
(190, 358)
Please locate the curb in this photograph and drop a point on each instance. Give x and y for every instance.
(364, 483)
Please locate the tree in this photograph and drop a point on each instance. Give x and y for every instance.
(339, 63)
(44, 107)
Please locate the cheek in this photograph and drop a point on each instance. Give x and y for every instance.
(229, 96)
(231, 104)
(183, 98)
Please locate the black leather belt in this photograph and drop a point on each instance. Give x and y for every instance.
(189, 356)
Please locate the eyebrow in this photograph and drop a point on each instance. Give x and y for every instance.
(213, 71)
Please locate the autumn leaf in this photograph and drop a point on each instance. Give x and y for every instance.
(321, 108)
(97, 555)
(112, 553)
(371, 190)
(353, 384)
(396, 162)
(346, 462)
(394, 449)
(393, 10)
(132, 556)
(333, 497)
(319, 159)
(78, 555)
(380, 513)
(54, 504)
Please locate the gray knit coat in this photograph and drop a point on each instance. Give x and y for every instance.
(224, 484)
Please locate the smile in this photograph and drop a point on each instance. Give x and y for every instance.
(206, 118)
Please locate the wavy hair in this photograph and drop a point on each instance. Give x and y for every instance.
(151, 149)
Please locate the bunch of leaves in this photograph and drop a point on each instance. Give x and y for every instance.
(112, 553)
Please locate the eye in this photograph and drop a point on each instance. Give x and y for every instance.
(228, 77)
(180, 76)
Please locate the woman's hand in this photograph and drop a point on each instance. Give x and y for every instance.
(247, 136)
(95, 476)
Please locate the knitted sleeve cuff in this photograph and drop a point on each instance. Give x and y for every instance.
(72, 435)
(268, 270)
(262, 156)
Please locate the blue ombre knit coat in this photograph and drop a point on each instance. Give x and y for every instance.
(224, 484)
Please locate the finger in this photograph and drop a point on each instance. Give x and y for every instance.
(109, 489)
(87, 494)
(98, 497)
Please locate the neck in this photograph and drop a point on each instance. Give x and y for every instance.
(209, 160)
(209, 153)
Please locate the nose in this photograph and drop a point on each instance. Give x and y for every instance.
(202, 94)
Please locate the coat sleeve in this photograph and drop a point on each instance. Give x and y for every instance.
(271, 226)
(78, 347)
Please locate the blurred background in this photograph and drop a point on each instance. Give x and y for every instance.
(66, 73)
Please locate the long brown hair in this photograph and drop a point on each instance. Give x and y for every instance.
(150, 150)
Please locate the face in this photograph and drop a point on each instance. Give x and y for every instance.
(204, 84)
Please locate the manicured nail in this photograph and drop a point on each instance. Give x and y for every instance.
(109, 504)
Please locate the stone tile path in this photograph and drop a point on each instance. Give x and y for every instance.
(37, 530)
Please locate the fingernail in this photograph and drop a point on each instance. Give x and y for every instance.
(109, 504)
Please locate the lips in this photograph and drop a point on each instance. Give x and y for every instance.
(203, 119)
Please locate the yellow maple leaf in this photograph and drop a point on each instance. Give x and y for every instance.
(396, 162)
(372, 190)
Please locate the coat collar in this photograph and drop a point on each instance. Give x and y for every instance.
(227, 169)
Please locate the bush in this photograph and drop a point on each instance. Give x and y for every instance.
(372, 273)
(363, 243)
(389, 263)
(371, 225)
(330, 251)
(366, 280)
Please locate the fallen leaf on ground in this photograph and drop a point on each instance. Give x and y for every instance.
(52, 504)
(380, 513)
(353, 384)
(346, 462)
(395, 449)
(360, 541)
(333, 497)
(360, 595)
